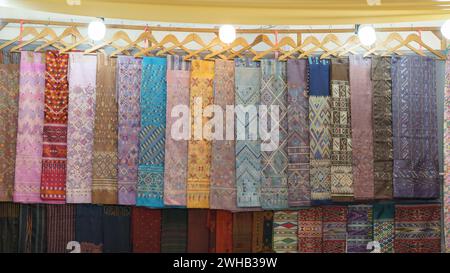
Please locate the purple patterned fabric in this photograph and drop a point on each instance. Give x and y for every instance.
(299, 192)
(30, 127)
(80, 127)
(128, 88)
(416, 165)
(359, 228)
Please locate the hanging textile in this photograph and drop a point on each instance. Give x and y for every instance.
(298, 134)
(104, 154)
(60, 227)
(116, 229)
(341, 133)
(80, 127)
(28, 166)
(152, 134)
(223, 169)
(176, 153)
(9, 227)
(248, 151)
(362, 127)
(174, 230)
(334, 219)
(198, 233)
(446, 199)
(382, 127)
(89, 228)
(242, 232)
(310, 230)
(199, 150)
(417, 228)
(285, 224)
(262, 232)
(359, 228)
(32, 229)
(128, 89)
(274, 187)
(9, 108)
(224, 231)
(319, 129)
(146, 230)
(383, 226)
(416, 164)
(54, 152)
(211, 225)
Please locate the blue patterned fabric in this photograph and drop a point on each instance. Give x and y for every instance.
(319, 77)
(152, 134)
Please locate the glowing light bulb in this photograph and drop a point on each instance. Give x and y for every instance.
(227, 33)
(367, 35)
(445, 29)
(96, 30)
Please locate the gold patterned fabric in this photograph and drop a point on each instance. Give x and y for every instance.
(341, 133)
(104, 177)
(199, 149)
(9, 108)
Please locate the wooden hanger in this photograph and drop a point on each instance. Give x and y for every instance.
(167, 39)
(25, 32)
(145, 36)
(119, 35)
(351, 41)
(42, 35)
(283, 42)
(383, 45)
(309, 40)
(214, 42)
(327, 39)
(415, 38)
(261, 38)
(349, 48)
(237, 42)
(192, 37)
(70, 31)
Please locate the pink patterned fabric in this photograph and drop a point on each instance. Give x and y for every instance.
(30, 127)
(82, 77)
(362, 132)
(176, 151)
(128, 87)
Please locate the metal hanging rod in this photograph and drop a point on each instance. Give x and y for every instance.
(215, 30)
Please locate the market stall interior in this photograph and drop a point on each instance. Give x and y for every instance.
(326, 132)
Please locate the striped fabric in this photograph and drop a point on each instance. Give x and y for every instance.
(310, 230)
(174, 225)
(242, 232)
(60, 227)
(32, 229)
(9, 227)
(359, 228)
(334, 230)
(152, 134)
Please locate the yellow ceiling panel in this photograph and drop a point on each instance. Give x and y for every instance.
(254, 12)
